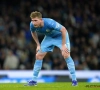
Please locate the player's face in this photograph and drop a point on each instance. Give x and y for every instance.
(37, 22)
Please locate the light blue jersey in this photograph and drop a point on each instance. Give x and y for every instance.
(51, 28)
(53, 36)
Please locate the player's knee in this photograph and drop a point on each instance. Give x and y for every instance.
(39, 56)
(66, 55)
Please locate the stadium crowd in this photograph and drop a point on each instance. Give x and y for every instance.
(80, 17)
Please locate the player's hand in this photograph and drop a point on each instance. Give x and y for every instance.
(65, 49)
(38, 48)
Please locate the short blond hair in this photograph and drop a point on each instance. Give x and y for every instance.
(35, 14)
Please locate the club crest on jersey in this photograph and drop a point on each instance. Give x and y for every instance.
(47, 30)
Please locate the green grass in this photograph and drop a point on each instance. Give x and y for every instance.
(51, 86)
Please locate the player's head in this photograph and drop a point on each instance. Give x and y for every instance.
(36, 18)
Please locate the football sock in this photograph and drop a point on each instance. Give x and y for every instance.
(71, 67)
(37, 68)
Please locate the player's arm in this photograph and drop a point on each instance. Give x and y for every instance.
(63, 31)
(35, 37)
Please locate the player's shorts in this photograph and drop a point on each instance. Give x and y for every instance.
(49, 43)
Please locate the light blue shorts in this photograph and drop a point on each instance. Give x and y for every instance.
(48, 43)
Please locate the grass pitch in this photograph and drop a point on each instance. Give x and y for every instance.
(51, 86)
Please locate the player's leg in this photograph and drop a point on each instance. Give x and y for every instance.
(45, 47)
(68, 59)
(71, 67)
(36, 68)
(38, 64)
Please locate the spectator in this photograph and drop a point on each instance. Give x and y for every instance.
(11, 61)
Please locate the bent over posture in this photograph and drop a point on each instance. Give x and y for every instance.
(55, 35)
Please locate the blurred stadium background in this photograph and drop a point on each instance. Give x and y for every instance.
(17, 48)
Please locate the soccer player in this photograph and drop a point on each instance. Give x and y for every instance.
(55, 35)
